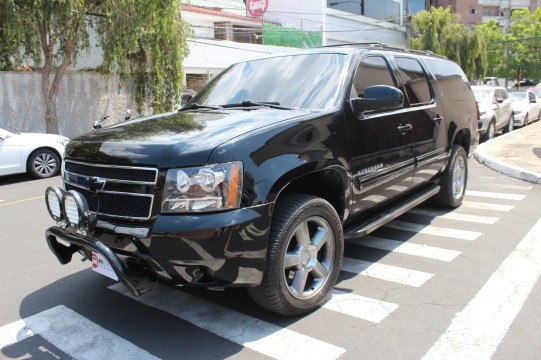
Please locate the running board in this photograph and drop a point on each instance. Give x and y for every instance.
(367, 227)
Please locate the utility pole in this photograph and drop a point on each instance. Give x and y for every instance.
(408, 26)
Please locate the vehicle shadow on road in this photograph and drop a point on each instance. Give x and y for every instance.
(18, 179)
(155, 331)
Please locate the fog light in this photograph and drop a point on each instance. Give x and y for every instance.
(53, 200)
(76, 208)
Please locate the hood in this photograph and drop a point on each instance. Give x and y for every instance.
(518, 105)
(484, 107)
(44, 136)
(173, 139)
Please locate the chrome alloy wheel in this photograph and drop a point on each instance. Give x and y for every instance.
(459, 177)
(309, 257)
(45, 164)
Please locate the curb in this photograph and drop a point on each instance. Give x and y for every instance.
(513, 171)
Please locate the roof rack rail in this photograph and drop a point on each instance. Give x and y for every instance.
(388, 47)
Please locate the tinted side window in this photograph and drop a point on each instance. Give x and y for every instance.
(444, 69)
(531, 97)
(415, 81)
(452, 81)
(372, 70)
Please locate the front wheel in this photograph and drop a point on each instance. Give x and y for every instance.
(43, 163)
(304, 256)
(510, 126)
(454, 179)
(491, 131)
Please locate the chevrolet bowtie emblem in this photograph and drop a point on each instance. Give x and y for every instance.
(96, 184)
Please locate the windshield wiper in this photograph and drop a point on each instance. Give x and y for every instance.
(249, 103)
(196, 106)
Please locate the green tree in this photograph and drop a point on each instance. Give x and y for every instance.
(142, 40)
(524, 43)
(496, 47)
(440, 31)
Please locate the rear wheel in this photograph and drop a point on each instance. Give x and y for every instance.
(304, 256)
(454, 179)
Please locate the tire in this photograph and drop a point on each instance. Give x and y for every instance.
(43, 163)
(526, 120)
(491, 131)
(304, 256)
(454, 179)
(510, 126)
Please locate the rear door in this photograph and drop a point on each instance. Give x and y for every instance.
(425, 114)
(382, 151)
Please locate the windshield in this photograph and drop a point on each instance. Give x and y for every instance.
(483, 95)
(298, 81)
(537, 92)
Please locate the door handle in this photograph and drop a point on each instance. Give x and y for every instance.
(404, 128)
(438, 119)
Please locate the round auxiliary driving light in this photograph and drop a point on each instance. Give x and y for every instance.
(53, 200)
(76, 208)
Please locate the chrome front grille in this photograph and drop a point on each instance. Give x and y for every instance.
(115, 191)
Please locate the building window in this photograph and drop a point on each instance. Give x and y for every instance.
(472, 11)
(222, 30)
(388, 10)
(247, 35)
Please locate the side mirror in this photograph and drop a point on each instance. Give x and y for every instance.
(499, 100)
(379, 98)
(533, 101)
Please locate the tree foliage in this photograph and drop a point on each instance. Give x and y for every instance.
(440, 31)
(495, 39)
(517, 48)
(142, 40)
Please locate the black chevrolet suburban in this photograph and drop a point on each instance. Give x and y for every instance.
(260, 178)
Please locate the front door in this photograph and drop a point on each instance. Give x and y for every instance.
(382, 150)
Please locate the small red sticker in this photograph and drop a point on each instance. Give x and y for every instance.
(94, 260)
(257, 8)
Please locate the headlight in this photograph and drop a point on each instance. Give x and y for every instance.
(206, 188)
(75, 208)
(63, 141)
(53, 200)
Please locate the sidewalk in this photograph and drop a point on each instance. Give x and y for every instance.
(517, 154)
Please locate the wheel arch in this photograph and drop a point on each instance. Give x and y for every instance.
(33, 151)
(463, 138)
(329, 183)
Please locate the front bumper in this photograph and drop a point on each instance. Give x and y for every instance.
(214, 250)
(483, 123)
(518, 119)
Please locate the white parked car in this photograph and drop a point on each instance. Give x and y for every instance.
(40, 155)
(495, 109)
(526, 107)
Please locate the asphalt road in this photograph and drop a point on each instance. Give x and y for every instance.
(432, 284)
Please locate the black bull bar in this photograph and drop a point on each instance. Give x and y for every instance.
(136, 282)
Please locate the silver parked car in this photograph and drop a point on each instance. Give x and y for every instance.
(495, 107)
(526, 107)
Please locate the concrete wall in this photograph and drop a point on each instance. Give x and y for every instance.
(83, 98)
